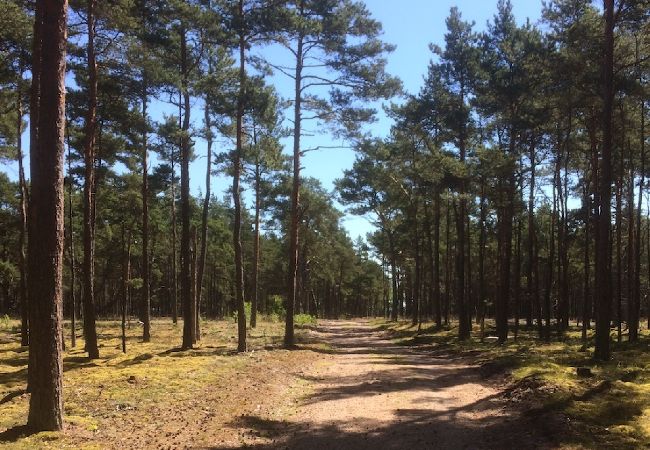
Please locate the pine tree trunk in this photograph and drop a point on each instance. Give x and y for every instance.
(236, 194)
(174, 272)
(636, 304)
(603, 283)
(22, 238)
(447, 305)
(73, 269)
(586, 264)
(204, 220)
(619, 260)
(90, 332)
(189, 326)
(126, 271)
(289, 339)
(256, 247)
(146, 294)
(46, 212)
(393, 267)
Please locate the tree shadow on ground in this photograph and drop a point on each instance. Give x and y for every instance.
(13, 434)
(411, 428)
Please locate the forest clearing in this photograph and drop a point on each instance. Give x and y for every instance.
(349, 384)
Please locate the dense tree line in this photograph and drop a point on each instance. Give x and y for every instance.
(493, 193)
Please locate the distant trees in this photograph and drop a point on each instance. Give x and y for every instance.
(509, 143)
(335, 48)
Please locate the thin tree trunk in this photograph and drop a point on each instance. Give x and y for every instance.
(174, 274)
(289, 339)
(551, 254)
(636, 304)
(204, 220)
(90, 332)
(73, 298)
(126, 271)
(437, 299)
(619, 266)
(236, 194)
(256, 246)
(587, 270)
(22, 184)
(448, 263)
(146, 294)
(189, 326)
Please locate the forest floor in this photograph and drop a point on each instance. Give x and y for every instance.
(354, 384)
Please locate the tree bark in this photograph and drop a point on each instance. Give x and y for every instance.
(46, 217)
(204, 217)
(289, 339)
(90, 332)
(635, 309)
(189, 326)
(73, 268)
(145, 312)
(236, 194)
(22, 238)
(603, 283)
(256, 246)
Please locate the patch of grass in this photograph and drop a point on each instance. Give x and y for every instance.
(127, 385)
(611, 409)
(301, 320)
(5, 322)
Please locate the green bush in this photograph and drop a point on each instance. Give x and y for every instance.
(304, 319)
(4, 322)
(276, 307)
(247, 311)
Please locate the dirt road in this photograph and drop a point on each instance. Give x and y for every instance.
(369, 393)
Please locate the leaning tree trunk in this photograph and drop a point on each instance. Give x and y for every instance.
(90, 332)
(46, 209)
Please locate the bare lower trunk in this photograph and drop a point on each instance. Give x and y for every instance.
(189, 327)
(46, 209)
(603, 284)
(22, 259)
(90, 332)
(236, 194)
(146, 296)
(289, 339)
(256, 248)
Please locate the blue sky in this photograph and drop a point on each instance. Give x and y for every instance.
(410, 25)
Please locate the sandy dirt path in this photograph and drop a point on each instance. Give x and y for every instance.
(369, 393)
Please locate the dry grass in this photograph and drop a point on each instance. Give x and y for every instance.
(611, 409)
(109, 398)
